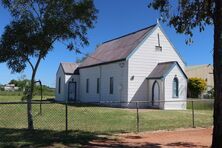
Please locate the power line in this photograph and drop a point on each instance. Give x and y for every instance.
(85, 54)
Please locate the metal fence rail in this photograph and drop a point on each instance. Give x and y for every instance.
(106, 117)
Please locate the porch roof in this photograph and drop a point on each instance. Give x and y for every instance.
(162, 69)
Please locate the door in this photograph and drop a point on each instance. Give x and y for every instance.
(72, 91)
(155, 94)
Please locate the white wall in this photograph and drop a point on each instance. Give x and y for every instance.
(60, 96)
(91, 73)
(72, 78)
(150, 86)
(181, 104)
(63, 95)
(144, 60)
(104, 72)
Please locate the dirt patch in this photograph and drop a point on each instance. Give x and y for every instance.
(182, 138)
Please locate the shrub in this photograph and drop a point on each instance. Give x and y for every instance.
(210, 93)
(196, 86)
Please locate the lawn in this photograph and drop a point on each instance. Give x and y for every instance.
(14, 138)
(92, 120)
(201, 104)
(17, 98)
(100, 119)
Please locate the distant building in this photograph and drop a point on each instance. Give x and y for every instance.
(10, 87)
(202, 71)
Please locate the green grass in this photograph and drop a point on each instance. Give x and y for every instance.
(16, 98)
(89, 121)
(100, 119)
(46, 138)
(201, 104)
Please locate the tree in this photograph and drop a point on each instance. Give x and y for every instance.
(20, 83)
(184, 15)
(35, 26)
(196, 86)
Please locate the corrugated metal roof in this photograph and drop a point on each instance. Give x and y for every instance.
(198, 66)
(116, 49)
(70, 68)
(161, 69)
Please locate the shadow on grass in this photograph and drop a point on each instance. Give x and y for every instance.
(48, 138)
(45, 138)
(185, 144)
(99, 105)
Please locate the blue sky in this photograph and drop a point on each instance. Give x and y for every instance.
(115, 18)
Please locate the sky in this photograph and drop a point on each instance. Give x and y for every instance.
(115, 18)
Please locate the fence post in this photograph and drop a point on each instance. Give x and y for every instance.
(67, 110)
(40, 83)
(41, 98)
(193, 114)
(137, 117)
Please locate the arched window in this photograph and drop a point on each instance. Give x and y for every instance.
(155, 93)
(175, 87)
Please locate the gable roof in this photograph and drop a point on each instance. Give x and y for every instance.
(70, 68)
(162, 69)
(117, 49)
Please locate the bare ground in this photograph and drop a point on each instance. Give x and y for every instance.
(181, 138)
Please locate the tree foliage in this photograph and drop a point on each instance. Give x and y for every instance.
(184, 16)
(196, 86)
(37, 24)
(34, 28)
(20, 83)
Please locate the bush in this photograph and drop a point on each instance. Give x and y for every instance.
(210, 93)
(196, 86)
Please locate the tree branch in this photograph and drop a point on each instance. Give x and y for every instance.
(30, 63)
(38, 15)
(37, 63)
(210, 11)
(53, 41)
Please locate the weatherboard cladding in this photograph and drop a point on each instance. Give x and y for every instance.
(116, 49)
(70, 68)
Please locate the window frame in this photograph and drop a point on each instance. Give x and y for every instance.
(87, 85)
(175, 87)
(158, 48)
(98, 85)
(59, 88)
(111, 85)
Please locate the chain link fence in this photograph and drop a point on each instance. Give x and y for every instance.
(108, 117)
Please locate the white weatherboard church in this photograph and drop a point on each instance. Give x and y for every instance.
(140, 66)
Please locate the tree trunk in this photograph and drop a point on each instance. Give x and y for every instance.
(30, 95)
(217, 130)
(29, 102)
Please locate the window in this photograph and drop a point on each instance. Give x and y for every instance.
(175, 87)
(59, 89)
(87, 85)
(98, 86)
(111, 85)
(158, 47)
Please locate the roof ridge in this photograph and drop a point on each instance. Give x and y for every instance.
(69, 63)
(129, 34)
(168, 62)
(199, 65)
